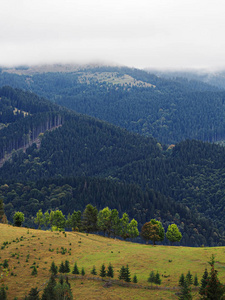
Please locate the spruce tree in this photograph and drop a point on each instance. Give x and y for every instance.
(203, 282)
(93, 271)
(127, 272)
(3, 295)
(151, 277)
(102, 271)
(82, 271)
(213, 290)
(110, 272)
(181, 280)
(53, 269)
(34, 271)
(185, 291)
(189, 278)
(157, 278)
(48, 293)
(75, 269)
(62, 268)
(135, 279)
(196, 280)
(122, 275)
(33, 294)
(67, 267)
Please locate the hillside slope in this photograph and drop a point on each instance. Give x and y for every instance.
(169, 110)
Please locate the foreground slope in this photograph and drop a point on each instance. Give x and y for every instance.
(25, 248)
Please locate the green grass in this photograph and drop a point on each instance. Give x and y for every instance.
(169, 261)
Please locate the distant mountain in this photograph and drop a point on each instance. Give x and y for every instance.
(106, 165)
(166, 109)
(215, 78)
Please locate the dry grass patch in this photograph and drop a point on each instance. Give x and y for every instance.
(25, 248)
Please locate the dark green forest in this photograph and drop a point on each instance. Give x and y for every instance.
(84, 160)
(169, 110)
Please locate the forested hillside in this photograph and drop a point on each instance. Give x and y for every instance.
(168, 110)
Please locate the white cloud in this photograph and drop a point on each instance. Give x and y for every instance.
(165, 33)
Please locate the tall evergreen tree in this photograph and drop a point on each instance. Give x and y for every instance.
(185, 291)
(67, 267)
(127, 276)
(33, 294)
(110, 271)
(196, 280)
(93, 271)
(75, 269)
(89, 218)
(53, 269)
(189, 278)
(122, 275)
(3, 295)
(48, 293)
(102, 271)
(135, 279)
(203, 282)
(62, 268)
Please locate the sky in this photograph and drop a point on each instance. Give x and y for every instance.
(164, 34)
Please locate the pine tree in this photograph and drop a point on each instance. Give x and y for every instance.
(214, 289)
(122, 275)
(127, 278)
(62, 268)
(181, 280)
(93, 271)
(196, 280)
(75, 269)
(53, 269)
(3, 295)
(48, 293)
(67, 267)
(34, 271)
(157, 278)
(33, 294)
(61, 281)
(110, 272)
(135, 279)
(189, 278)
(185, 291)
(151, 277)
(82, 271)
(203, 282)
(102, 271)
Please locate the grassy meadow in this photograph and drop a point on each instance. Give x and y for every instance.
(25, 248)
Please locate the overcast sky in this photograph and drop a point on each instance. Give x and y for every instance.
(140, 33)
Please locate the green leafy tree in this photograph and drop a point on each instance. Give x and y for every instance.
(173, 234)
(93, 271)
(110, 271)
(124, 226)
(18, 219)
(153, 231)
(133, 229)
(104, 220)
(53, 269)
(1, 210)
(39, 220)
(63, 291)
(58, 220)
(89, 218)
(74, 220)
(102, 271)
(75, 269)
(46, 219)
(115, 222)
